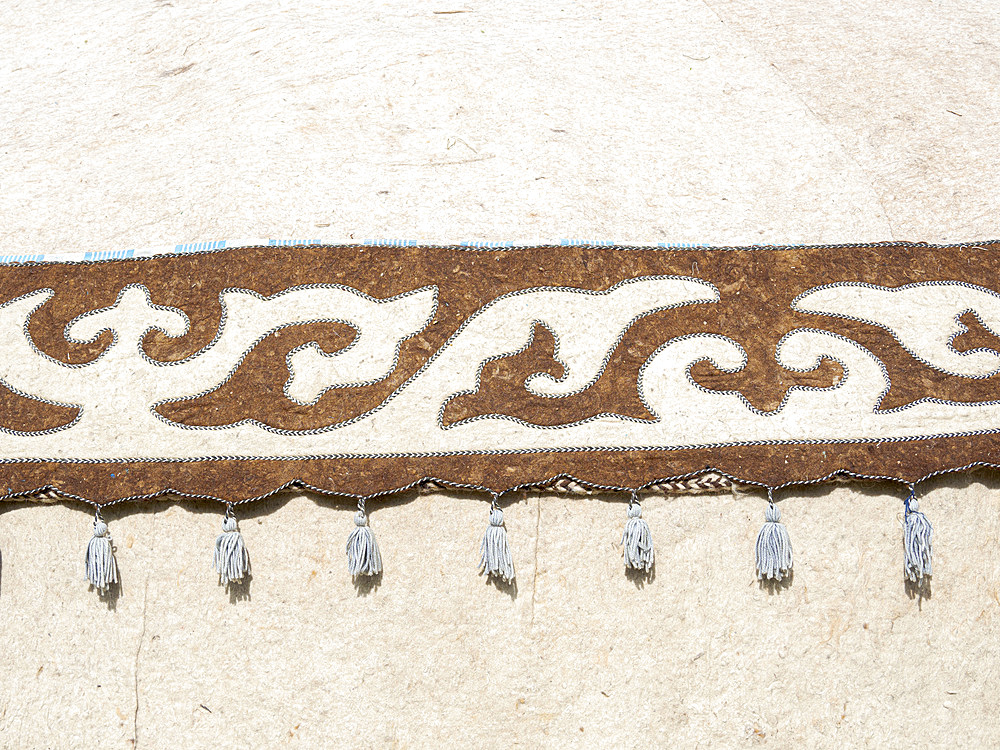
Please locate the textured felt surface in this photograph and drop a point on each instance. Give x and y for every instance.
(134, 124)
(364, 370)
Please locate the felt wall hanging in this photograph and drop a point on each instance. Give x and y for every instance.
(363, 370)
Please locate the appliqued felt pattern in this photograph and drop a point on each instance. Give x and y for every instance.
(363, 370)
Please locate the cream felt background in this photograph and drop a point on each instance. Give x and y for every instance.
(134, 124)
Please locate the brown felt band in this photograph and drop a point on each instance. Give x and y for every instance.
(615, 366)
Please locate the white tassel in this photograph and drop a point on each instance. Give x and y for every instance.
(774, 549)
(636, 540)
(231, 559)
(917, 535)
(102, 570)
(363, 557)
(495, 559)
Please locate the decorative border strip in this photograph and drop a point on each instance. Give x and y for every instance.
(201, 248)
(213, 246)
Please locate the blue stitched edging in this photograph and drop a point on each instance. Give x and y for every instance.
(210, 246)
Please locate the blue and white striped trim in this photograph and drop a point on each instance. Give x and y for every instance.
(209, 245)
(212, 245)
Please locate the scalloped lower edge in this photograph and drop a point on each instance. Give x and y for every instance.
(703, 481)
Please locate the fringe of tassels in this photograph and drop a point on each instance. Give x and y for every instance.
(773, 548)
(917, 535)
(231, 559)
(363, 557)
(494, 553)
(99, 562)
(637, 542)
